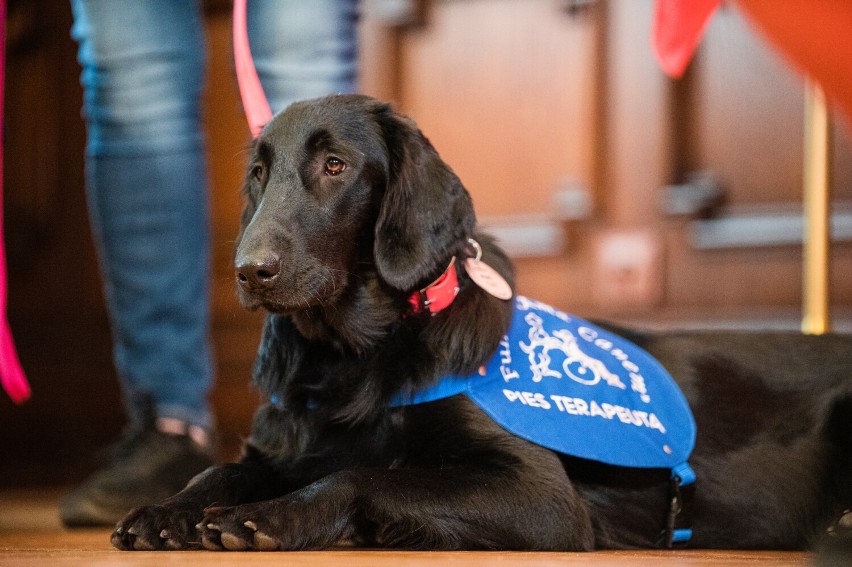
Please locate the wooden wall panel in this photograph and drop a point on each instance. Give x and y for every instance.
(635, 118)
(504, 89)
(741, 118)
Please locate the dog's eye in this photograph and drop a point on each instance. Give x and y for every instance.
(257, 172)
(334, 166)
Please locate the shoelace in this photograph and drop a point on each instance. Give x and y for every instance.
(11, 374)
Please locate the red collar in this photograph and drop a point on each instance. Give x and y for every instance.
(438, 295)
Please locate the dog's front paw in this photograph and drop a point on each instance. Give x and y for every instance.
(282, 524)
(152, 528)
(236, 529)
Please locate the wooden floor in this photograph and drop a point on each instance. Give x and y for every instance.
(31, 536)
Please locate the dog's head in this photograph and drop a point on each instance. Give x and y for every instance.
(337, 186)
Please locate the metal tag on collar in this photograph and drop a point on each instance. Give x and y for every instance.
(485, 276)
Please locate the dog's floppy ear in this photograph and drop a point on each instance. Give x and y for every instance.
(426, 214)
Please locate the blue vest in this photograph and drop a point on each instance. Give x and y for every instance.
(568, 385)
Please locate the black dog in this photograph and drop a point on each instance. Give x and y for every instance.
(350, 210)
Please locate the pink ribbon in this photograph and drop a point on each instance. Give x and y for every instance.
(11, 374)
(255, 104)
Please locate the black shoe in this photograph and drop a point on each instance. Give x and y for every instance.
(146, 466)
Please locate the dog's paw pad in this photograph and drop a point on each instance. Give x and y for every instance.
(117, 539)
(137, 541)
(211, 543)
(210, 537)
(233, 542)
(143, 544)
(170, 542)
(263, 542)
(173, 545)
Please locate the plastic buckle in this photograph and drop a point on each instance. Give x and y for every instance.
(678, 529)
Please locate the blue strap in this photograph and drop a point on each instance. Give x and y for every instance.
(684, 474)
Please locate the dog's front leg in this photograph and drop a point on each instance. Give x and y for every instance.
(450, 508)
(171, 524)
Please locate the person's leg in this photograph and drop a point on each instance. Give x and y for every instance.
(142, 72)
(303, 49)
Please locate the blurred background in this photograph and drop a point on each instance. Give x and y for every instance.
(621, 193)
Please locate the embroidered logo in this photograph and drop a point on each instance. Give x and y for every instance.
(576, 364)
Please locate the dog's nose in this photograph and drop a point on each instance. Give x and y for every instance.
(253, 273)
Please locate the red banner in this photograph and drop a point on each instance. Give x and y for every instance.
(815, 36)
(678, 27)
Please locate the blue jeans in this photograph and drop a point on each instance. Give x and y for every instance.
(142, 73)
